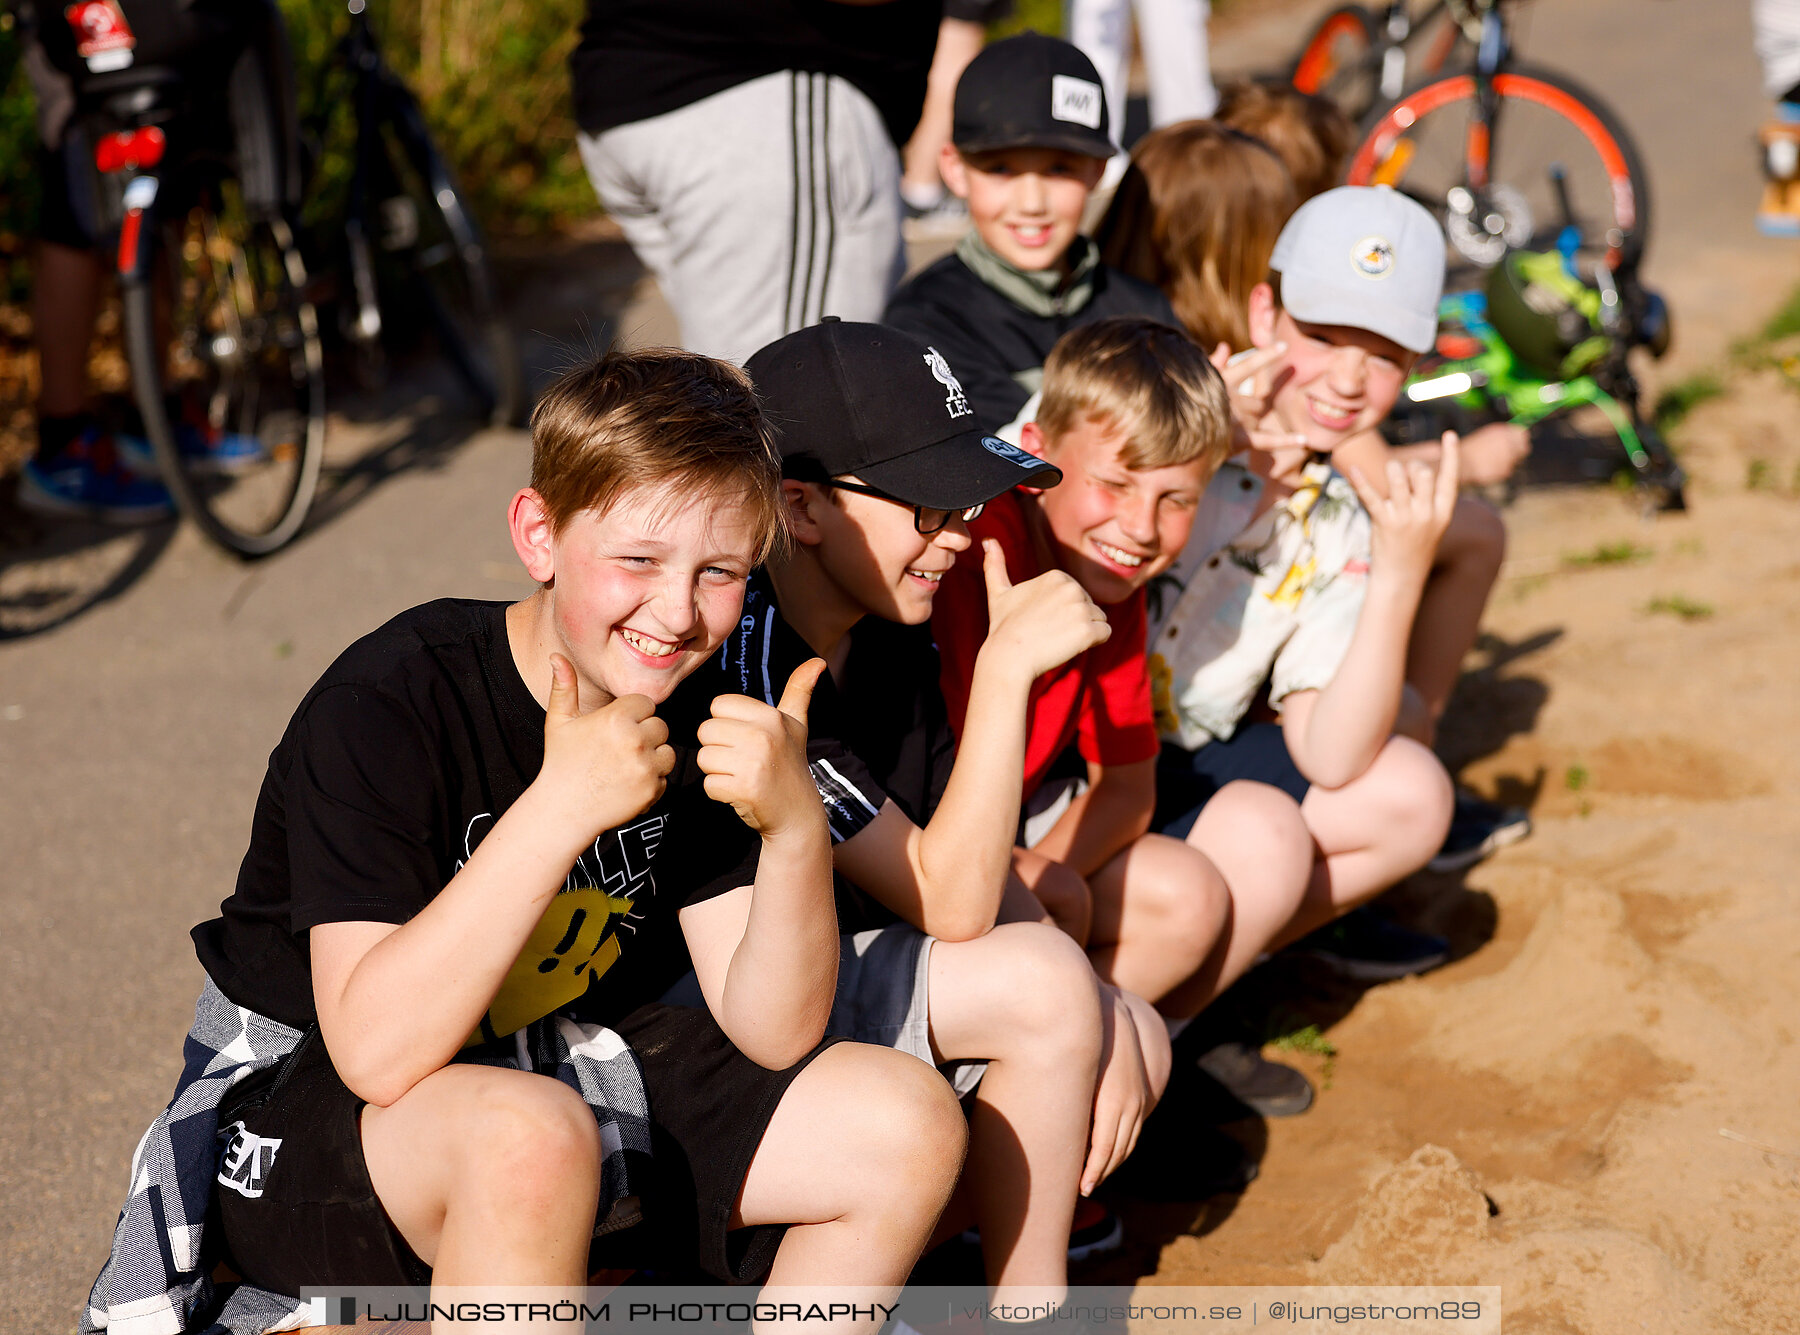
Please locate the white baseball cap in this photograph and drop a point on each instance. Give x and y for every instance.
(1366, 257)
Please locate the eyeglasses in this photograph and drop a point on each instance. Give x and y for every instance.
(927, 519)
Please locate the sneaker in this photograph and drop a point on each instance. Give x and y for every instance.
(204, 448)
(1779, 212)
(88, 481)
(1268, 1089)
(1192, 1163)
(944, 220)
(1095, 1230)
(1365, 947)
(1478, 828)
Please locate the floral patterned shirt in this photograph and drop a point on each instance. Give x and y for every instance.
(1247, 602)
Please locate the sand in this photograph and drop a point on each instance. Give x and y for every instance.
(1596, 1105)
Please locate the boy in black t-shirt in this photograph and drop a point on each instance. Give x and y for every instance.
(477, 843)
(884, 462)
(1028, 145)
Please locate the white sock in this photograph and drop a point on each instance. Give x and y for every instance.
(922, 196)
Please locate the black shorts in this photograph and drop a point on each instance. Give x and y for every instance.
(316, 1221)
(1186, 780)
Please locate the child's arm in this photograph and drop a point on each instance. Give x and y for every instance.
(1334, 734)
(947, 878)
(766, 954)
(1109, 817)
(396, 1002)
(1488, 454)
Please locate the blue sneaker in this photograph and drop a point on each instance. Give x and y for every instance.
(88, 481)
(204, 448)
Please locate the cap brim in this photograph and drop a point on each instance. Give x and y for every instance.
(1088, 143)
(966, 470)
(1321, 303)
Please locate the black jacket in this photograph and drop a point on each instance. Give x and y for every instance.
(995, 346)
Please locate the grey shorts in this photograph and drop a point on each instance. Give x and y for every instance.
(883, 997)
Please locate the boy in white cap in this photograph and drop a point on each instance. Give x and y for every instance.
(1302, 578)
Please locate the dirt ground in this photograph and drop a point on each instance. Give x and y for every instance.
(1594, 1105)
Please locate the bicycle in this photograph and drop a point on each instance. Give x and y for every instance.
(1359, 60)
(1539, 341)
(1499, 152)
(410, 243)
(194, 190)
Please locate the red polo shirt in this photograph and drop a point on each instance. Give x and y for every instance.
(1099, 699)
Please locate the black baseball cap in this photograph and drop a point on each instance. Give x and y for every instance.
(1031, 91)
(870, 400)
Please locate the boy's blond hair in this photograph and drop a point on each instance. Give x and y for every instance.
(659, 418)
(1309, 133)
(1145, 379)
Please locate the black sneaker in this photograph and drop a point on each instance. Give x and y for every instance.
(1367, 948)
(1478, 828)
(1267, 1088)
(1199, 1163)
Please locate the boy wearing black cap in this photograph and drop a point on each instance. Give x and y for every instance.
(1029, 142)
(883, 465)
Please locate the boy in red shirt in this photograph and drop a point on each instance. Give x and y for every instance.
(1137, 420)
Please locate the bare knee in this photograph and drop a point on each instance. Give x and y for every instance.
(1040, 980)
(1257, 826)
(1415, 798)
(1181, 894)
(903, 1118)
(530, 1140)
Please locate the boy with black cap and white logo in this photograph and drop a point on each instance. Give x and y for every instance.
(883, 465)
(1029, 141)
(1306, 580)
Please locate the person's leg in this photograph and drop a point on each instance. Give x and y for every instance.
(959, 41)
(860, 1157)
(858, 256)
(1257, 838)
(1160, 908)
(1173, 37)
(65, 301)
(1023, 997)
(1468, 562)
(1371, 832)
(491, 1175)
(1102, 29)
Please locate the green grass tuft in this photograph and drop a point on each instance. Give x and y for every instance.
(1575, 778)
(1681, 398)
(1310, 1039)
(1623, 552)
(1675, 604)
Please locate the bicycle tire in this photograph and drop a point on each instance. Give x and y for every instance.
(1614, 191)
(1334, 60)
(440, 248)
(245, 346)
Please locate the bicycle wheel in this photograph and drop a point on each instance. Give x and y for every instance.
(1335, 60)
(232, 392)
(1492, 186)
(432, 257)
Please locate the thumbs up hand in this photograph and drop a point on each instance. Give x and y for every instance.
(607, 765)
(754, 756)
(1040, 624)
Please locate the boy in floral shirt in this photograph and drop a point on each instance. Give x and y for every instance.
(1288, 580)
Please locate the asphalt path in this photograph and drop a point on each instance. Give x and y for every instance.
(144, 677)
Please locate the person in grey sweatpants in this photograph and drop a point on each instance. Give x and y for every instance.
(758, 209)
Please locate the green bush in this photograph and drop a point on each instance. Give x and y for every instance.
(493, 75)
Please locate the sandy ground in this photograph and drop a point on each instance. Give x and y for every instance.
(1594, 1106)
